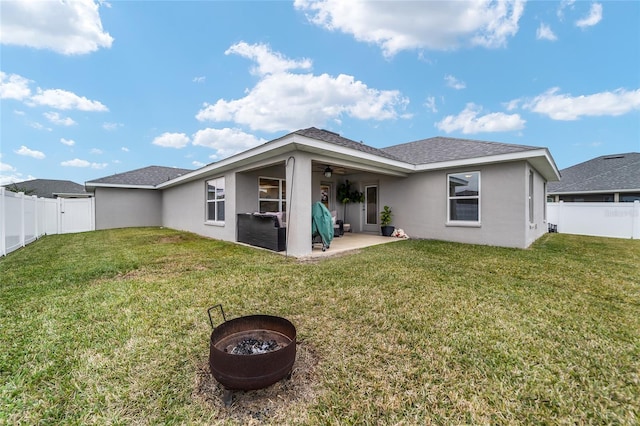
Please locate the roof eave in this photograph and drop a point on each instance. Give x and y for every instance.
(289, 143)
(90, 185)
(593, 191)
(540, 159)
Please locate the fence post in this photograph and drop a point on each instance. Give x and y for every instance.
(3, 226)
(635, 220)
(560, 205)
(21, 195)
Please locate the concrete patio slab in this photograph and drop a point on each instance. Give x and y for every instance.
(350, 241)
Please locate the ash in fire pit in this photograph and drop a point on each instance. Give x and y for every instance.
(252, 346)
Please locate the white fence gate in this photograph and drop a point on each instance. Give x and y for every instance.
(24, 218)
(617, 220)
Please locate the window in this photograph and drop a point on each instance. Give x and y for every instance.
(215, 200)
(531, 211)
(272, 194)
(629, 197)
(464, 197)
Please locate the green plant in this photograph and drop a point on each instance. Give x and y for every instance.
(346, 194)
(385, 216)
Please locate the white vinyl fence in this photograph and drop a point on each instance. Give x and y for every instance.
(25, 218)
(617, 220)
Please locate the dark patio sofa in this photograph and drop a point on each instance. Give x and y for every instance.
(261, 230)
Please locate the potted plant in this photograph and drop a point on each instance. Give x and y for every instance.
(346, 195)
(385, 221)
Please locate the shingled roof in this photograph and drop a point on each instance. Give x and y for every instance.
(47, 188)
(606, 173)
(439, 149)
(335, 138)
(146, 176)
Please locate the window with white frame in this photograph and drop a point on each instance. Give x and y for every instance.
(531, 196)
(464, 197)
(215, 200)
(272, 194)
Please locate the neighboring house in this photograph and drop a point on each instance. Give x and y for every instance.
(49, 188)
(131, 199)
(439, 188)
(610, 178)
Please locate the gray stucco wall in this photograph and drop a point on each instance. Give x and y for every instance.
(123, 208)
(419, 204)
(183, 208)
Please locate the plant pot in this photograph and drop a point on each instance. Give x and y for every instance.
(387, 230)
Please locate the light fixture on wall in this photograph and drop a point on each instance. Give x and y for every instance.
(327, 172)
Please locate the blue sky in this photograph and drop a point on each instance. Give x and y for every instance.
(89, 89)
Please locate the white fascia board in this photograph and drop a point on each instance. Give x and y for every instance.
(539, 158)
(258, 153)
(289, 143)
(116, 185)
(369, 162)
(593, 191)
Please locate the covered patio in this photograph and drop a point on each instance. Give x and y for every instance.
(350, 241)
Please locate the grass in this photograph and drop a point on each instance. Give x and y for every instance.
(110, 327)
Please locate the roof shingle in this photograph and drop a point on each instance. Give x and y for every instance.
(605, 173)
(146, 176)
(439, 149)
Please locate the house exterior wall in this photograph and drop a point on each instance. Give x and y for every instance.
(419, 204)
(125, 207)
(536, 227)
(184, 208)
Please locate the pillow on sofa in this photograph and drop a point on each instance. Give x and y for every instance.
(279, 223)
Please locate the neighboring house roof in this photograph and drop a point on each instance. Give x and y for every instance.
(618, 172)
(145, 177)
(439, 149)
(49, 188)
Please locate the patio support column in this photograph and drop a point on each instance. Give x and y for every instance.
(298, 174)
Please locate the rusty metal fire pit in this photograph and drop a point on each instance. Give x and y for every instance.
(251, 352)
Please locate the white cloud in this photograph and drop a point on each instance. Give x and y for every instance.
(14, 86)
(225, 141)
(96, 151)
(565, 107)
(430, 103)
(454, 82)
(544, 32)
(200, 79)
(111, 126)
(76, 162)
(67, 27)
(125, 149)
(198, 164)
(469, 121)
(268, 62)
(30, 153)
(4, 167)
(56, 118)
(438, 25)
(62, 99)
(285, 101)
(67, 142)
(39, 126)
(171, 140)
(595, 16)
(563, 5)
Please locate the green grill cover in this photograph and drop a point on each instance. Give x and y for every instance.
(321, 223)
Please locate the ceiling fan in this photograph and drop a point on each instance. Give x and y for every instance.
(328, 171)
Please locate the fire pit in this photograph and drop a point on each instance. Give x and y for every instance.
(251, 352)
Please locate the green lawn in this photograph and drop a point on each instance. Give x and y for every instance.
(110, 327)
